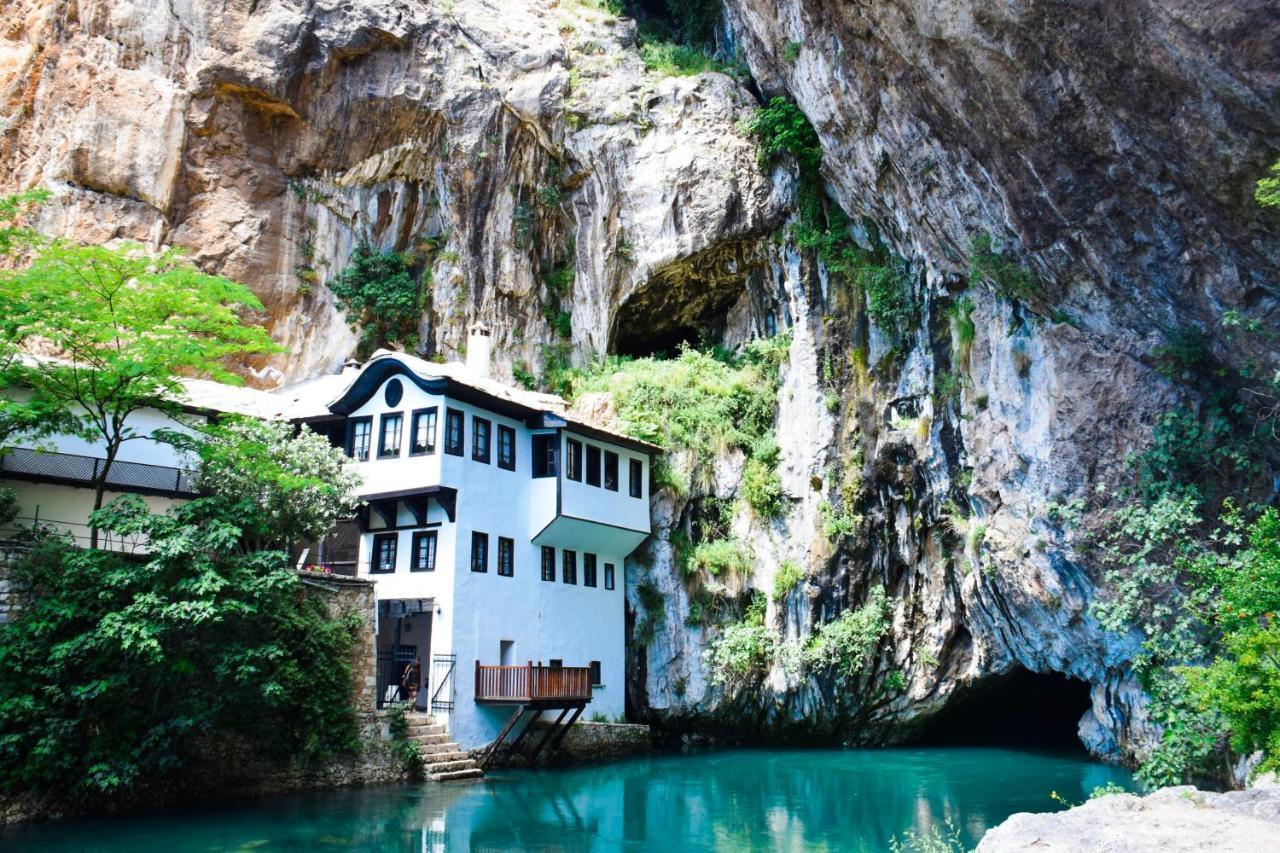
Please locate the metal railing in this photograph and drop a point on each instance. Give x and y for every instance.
(530, 683)
(72, 469)
(23, 527)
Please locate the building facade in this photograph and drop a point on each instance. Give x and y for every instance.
(495, 527)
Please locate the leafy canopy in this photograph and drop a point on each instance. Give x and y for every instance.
(118, 667)
(379, 294)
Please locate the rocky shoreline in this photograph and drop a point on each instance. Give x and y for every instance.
(1169, 820)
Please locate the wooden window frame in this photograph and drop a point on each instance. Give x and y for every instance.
(548, 563)
(593, 468)
(609, 571)
(610, 456)
(635, 478)
(597, 679)
(589, 571)
(573, 459)
(544, 464)
(375, 562)
(434, 413)
(480, 450)
(351, 437)
(383, 453)
(569, 566)
(482, 540)
(509, 435)
(449, 416)
(418, 537)
(510, 564)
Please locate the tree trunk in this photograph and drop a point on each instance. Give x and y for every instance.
(100, 488)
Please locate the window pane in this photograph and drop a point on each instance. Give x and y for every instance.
(608, 575)
(548, 563)
(384, 553)
(389, 441)
(480, 440)
(573, 459)
(479, 552)
(611, 470)
(453, 432)
(570, 561)
(424, 432)
(544, 455)
(506, 448)
(588, 569)
(506, 557)
(424, 552)
(593, 466)
(594, 666)
(361, 433)
(635, 484)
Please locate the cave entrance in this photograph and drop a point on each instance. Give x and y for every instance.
(684, 302)
(1022, 708)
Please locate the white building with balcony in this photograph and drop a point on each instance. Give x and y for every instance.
(495, 526)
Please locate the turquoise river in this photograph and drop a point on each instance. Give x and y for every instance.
(756, 799)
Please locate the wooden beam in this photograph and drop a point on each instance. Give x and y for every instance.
(501, 737)
(551, 731)
(537, 714)
(577, 712)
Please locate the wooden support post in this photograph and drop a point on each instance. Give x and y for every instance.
(501, 737)
(547, 737)
(527, 728)
(577, 712)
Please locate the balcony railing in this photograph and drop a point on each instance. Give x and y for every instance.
(23, 463)
(533, 684)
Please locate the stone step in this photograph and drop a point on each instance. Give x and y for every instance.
(456, 775)
(427, 740)
(426, 729)
(446, 754)
(435, 768)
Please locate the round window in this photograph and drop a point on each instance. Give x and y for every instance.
(394, 392)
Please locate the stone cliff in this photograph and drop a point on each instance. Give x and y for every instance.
(550, 185)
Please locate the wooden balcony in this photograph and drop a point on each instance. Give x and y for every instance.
(545, 686)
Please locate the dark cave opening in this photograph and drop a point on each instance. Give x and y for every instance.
(645, 341)
(1023, 708)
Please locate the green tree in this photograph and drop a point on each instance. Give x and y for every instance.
(378, 293)
(117, 665)
(126, 327)
(1268, 191)
(286, 486)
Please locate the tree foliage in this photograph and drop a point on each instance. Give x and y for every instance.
(378, 292)
(118, 665)
(125, 328)
(285, 487)
(844, 645)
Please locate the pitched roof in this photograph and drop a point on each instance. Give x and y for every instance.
(450, 378)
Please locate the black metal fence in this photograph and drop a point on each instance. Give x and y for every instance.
(26, 464)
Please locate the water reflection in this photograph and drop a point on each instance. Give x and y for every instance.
(737, 800)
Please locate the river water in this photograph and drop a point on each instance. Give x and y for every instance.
(732, 800)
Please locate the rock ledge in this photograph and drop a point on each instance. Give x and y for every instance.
(1168, 820)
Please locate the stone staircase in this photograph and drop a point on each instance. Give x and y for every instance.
(443, 760)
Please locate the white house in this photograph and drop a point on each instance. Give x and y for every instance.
(495, 527)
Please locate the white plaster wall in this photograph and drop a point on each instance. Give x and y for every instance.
(596, 503)
(476, 611)
(67, 508)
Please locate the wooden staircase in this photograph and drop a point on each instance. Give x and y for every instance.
(443, 760)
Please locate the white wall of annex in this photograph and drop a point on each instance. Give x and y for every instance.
(596, 503)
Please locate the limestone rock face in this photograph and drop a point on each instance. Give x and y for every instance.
(500, 142)
(547, 184)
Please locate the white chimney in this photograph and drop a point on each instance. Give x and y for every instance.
(479, 348)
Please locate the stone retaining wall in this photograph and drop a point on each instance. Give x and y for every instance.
(584, 743)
